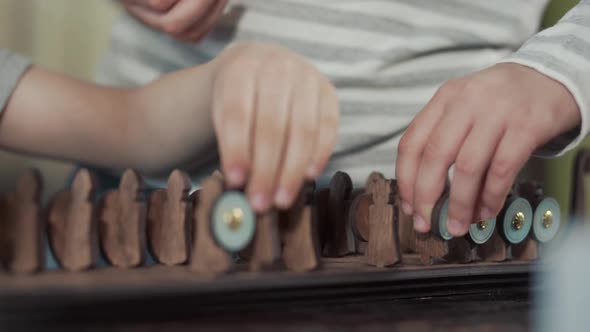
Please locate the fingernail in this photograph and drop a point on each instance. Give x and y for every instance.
(235, 177)
(259, 202)
(455, 227)
(486, 214)
(420, 225)
(283, 198)
(407, 208)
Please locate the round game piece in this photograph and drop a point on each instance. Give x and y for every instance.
(439, 218)
(233, 222)
(546, 220)
(482, 231)
(517, 220)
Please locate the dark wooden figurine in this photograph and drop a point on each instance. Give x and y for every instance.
(301, 246)
(123, 221)
(383, 242)
(438, 246)
(169, 220)
(494, 250)
(73, 230)
(266, 249)
(339, 238)
(206, 255)
(22, 249)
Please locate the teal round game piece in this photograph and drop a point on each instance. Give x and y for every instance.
(546, 220)
(439, 218)
(482, 231)
(233, 223)
(517, 220)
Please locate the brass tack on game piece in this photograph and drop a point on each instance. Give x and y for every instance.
(517, 220)
(233, 222)
(482, 231)
(234, 218)
(546, 220)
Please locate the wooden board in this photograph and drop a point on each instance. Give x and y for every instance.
(60, 293)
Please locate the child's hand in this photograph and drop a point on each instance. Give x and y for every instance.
(186, 20)
(274, 115)
(276, 120)
(487, 124)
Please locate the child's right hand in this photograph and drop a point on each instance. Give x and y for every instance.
(186, 20)
(276, 120)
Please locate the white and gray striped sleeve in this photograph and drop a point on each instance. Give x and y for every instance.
(12, 67)
(562, 53)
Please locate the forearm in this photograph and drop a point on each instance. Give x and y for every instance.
(163, 109)
(62, 118)
(58, 117)
(563, 54)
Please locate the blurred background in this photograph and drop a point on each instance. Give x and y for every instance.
(70, 36)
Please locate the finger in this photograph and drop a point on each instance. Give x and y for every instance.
(325, 139)
(202, 28)
(233, 112)
(512, 153)
(186, 13)
(470, 168)
(411, 146)
(272, 114)
(161, 6)
(147, 16)
(439, 153)
(303, 128)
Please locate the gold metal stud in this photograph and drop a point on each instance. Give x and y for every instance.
(547, 219)
(482, 224)
(518, 221)
(233, 218)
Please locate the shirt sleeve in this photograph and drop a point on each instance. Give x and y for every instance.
(12, 67)
(562, 53)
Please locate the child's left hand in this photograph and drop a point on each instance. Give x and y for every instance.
(487, 124)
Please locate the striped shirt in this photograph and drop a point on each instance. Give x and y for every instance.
(386, 57)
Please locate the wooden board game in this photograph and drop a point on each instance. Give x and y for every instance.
(127, 250)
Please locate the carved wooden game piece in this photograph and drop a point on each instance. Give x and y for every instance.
(516, 219)
(22, 248)
(206, 255)
(123, 222)
(301, 249)
(169, 220)
(546, 221)
(358, 216)
(439, 245)
(266, 250)
(525, 251)
(383, 243)
(340, 240)
(407, 234)
(73, 229)
(493, 250)
(372, 180)
(322, 198)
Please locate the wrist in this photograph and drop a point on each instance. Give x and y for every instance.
(170, 118)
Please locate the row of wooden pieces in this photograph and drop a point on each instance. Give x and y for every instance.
(370, 222)
(520, 212)
(174, 226)
(334, 222)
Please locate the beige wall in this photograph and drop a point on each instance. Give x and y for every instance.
(65, 35)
